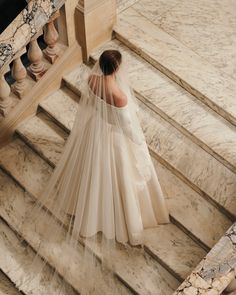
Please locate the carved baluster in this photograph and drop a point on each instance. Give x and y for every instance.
(51, 36)
(19, 74)
(5, 90)
(35, 55)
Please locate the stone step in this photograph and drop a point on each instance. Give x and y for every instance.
(208, 83)
(189, 161)
(62, 99)
(16, 257)
(6, 286)
(145, 276)
(187, 207)
(184, 111)
(44, 136)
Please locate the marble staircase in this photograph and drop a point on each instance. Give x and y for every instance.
(192, 148)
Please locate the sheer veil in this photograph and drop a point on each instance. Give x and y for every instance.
(85, 216)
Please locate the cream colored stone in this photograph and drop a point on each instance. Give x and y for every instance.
(206, 27)
(94, 26)
(63, 105)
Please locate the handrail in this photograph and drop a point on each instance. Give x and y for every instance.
(215, 274)
(31, 20)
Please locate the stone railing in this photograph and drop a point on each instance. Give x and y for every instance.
(36, 19)
(216, 273)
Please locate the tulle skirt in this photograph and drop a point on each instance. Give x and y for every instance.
(116, 197)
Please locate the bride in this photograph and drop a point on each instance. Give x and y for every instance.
(105, 182)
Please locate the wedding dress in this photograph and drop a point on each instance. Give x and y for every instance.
(105, 183)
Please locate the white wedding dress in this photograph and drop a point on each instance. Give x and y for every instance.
(132, 198)
(104, 189)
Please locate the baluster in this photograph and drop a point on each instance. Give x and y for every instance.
(51, 36)
(5, 90)
(19, 74)
(35, 55)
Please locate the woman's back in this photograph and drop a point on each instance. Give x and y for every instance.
(107, 89)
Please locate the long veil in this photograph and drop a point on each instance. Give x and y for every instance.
(89, 211)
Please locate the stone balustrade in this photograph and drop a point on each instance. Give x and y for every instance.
(215, 274)
(21, 36)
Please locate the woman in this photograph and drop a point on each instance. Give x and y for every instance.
(105, 181)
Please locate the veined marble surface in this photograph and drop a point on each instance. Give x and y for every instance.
(18, 34)
(174, 248)
(208, 83)
(215, 271)
(179, 107)
(188, 160)
(186, 205)
(206, 27)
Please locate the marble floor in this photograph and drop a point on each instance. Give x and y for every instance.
(208, 27)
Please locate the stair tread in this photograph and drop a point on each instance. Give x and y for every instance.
(6, 286)
(174, 58)
(189, 160)
(181, 108)
(169, 243)
(184, 203)
(44, 136)
(61, 99)
(17, 149)
(15, 201)
(13, 253)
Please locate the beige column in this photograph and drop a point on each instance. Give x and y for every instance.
(67, 24)
(95, 23)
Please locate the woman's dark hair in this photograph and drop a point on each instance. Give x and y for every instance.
(109, 61)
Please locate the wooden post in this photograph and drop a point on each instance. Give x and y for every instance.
(95, 23)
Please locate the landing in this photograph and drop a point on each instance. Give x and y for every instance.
(206, 27)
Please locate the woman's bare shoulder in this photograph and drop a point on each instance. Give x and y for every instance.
(120, 98)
